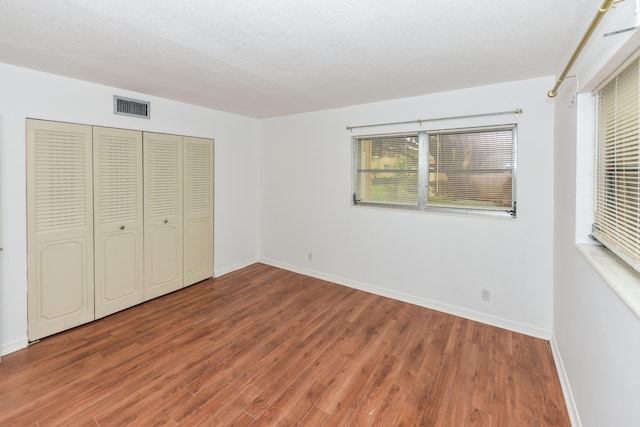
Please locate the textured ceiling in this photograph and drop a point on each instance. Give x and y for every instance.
(277, 57)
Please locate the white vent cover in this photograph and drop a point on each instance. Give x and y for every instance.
(131, 107)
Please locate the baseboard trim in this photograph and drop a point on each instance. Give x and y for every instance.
(231, 268)
(15, 345)
(21, 343)
(570, 403)
(423, 302)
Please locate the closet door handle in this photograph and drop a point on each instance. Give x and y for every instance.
(122, 227)
(165, 221)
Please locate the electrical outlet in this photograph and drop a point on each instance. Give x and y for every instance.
(485, 295)
(310, 256)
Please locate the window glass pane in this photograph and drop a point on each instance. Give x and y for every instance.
(388, 169)
(472, 169)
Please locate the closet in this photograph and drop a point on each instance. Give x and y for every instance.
(115, 217)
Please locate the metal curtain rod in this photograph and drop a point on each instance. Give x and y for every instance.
(420, 121)
(596, 20)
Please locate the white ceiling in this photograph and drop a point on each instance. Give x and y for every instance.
(269, 58)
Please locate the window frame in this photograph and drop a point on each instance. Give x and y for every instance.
(423, 204)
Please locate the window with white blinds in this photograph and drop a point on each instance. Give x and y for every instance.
(617, 204)
(465, 170)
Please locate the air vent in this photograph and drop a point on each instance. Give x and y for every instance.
(131, 107)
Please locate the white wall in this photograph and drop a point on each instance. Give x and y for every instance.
(436, 260)
(26, 93)
(596, 335)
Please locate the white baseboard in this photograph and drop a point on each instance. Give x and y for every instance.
(10, 347)
(570, 403)
(423, 302)
(15, 345)
(231, 268)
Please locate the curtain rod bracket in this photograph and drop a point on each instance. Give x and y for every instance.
(587, 35)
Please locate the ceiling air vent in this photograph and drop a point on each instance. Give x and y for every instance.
(131, 107)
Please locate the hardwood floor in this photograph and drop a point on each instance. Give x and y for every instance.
(264, 346)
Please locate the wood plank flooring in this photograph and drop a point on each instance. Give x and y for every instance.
(263, 347)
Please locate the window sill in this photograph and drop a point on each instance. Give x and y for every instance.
(624, 280)
(487, 213)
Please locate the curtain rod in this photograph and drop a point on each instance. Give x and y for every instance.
(420, 121)
(596, 20)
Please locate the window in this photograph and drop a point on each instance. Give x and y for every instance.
(617, 204)
(465, 170)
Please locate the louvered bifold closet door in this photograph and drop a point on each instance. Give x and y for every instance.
(59, 227)
(162, 214)
(198, 209)
(118, 219)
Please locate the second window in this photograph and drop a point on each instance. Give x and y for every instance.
(469, 170)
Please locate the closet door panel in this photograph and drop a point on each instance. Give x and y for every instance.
(59, 227)
(119, 249)
(200, 249)
(163, 214)
(167, 262)
(62, 267)
(118, 219)
(198, 209)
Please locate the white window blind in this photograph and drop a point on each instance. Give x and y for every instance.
(617, 216)
(470, 169)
